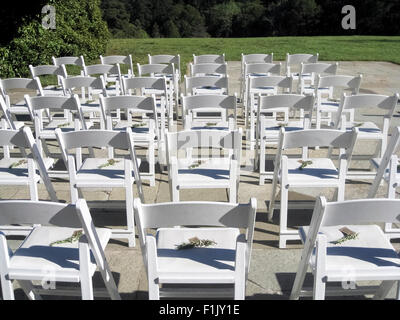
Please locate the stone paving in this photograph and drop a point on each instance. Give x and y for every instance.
(272, 270)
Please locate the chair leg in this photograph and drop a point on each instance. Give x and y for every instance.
(283, 216)
(384, 289)
(262, 161)
(129, 215)
(85, 276)
(7, 288)
(174, 192)
(29, 290)
(152, 164)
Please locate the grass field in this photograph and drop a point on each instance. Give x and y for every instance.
(343, 48)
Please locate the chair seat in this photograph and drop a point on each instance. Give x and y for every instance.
(370, 254)
(92, 173)
(209, 90)
(18, 175)
(48, 131)
(366, 130)
(196, 265)
(212, 173)
(53, 91)
(36, 259)
(19, 108)
(272, 127)
(322, 172)
(207, 125)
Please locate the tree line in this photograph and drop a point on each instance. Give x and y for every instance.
(246, 18)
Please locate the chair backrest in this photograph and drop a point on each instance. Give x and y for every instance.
(386, 103)
(166, 59)
(139, 83)
(20, 83)
(392, 148)
(203, 69)
(77, 61)
(318, 138)
(209, 101)
(155, 69)
(212, 214)
(352, 83)
(184, 140)
(285, 83)
(262, 68)
(290, 101)
(113, 60)
(319, 68)
(191, 83)
(48, 70)
(299, 58)
(209, 58)
(257, 58)
(82, 82)
(102, 69)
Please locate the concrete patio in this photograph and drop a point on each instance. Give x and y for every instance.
(272, 270)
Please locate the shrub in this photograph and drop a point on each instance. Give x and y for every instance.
(80, 30)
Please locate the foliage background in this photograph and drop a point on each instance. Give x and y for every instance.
(246, 18)
(80, 30)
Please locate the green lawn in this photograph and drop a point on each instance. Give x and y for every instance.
(343, 48)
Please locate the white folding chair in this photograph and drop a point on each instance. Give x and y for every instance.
(252, 59)
(24, 169)
(110, 172)
(325, 94)
(264, 85)
(167, 59)
(41, 258)
(209, 69)
(121, 61)
(43, 131)
(343, 244)
(209, 112)
(153, 86)
(206, 85)
(171, 76)
(257, 70)
(367, 130)
(144, 131)
(89, 89)
(112, 78)
(50, 70)
(202, 170)
(306, 82)
(219, 270)
(209, 58)
(267, 131)
(20, 107)
(388, 170)
(295, 60)
(306, 172)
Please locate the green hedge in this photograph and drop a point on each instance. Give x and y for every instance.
(80, 30)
